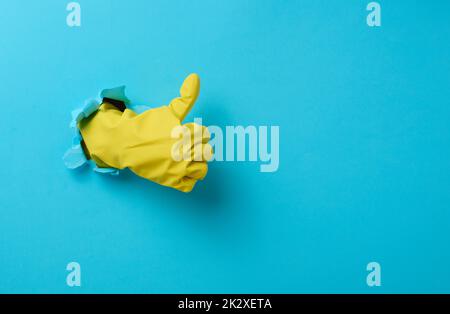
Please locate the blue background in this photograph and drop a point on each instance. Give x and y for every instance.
(364, 147)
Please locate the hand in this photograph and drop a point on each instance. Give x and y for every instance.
(145, 142)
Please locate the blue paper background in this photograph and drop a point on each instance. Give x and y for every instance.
(365, 157)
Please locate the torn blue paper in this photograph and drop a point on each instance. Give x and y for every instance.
(74, 158)
(117, 93)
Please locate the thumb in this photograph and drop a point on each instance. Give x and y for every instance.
(189, 92)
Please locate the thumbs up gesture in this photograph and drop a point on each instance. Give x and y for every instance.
(154, 144)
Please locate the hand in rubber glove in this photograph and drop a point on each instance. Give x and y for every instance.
(144, 143)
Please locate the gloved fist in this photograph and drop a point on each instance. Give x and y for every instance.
(151, 143)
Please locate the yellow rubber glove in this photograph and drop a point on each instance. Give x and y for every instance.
(144, 142)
